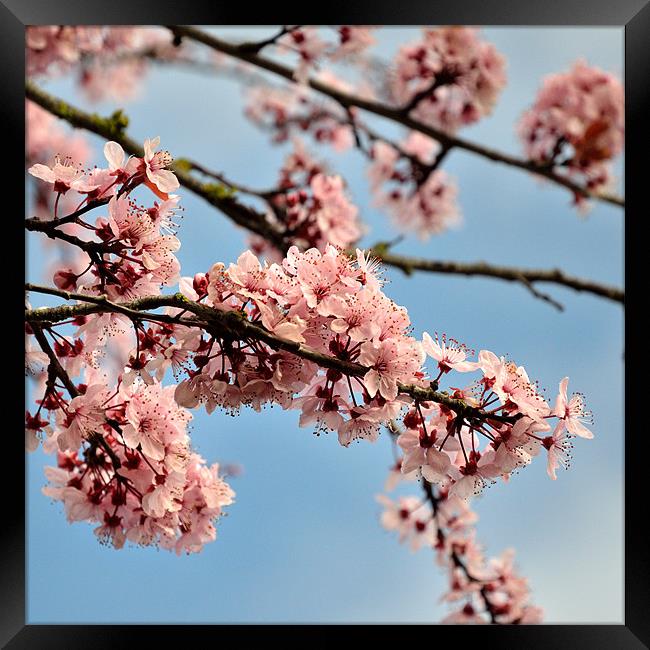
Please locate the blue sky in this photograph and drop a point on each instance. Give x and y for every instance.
(303, 542)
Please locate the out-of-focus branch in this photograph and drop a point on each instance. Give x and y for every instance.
(395, 114)
(258, 46)
(434, 501)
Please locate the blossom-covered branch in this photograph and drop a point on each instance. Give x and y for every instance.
(481, 591)
(315, 332)
(220, 323)
(401, 115)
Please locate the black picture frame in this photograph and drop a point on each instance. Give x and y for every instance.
(632, 15)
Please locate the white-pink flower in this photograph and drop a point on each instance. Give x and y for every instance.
(63, 175)
(558, 447)
(572, 411)
(155, 167)
(449, 354)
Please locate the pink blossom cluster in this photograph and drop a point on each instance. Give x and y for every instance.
(420, 197)
(312, 205)
(124, 456)
(452, 77)
(139, 251)
(143, 483)
(576, 122)
(332, 304)
(480, 590)
(284, 111)
(100, 52)
(307, 43)
(515, 424)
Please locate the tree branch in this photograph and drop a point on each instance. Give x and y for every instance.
(511, 274)
(433, 502)
(256, 47)
(235, 325)
(394, 114)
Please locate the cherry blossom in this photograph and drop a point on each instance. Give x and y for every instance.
(303, 321)
(577, 124)
(456, 76)
(450, 355)
(159, 179)
(63, 175)
(572, 411)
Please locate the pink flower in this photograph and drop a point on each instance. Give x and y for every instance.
(119, 166)
(421, 450)
(354, 315)
(390, 362)
(472, 476)
(512, 385)
(410, 519)
(572, 411)
(153, 420)
(558, 447)
(63, 175)
(159, 179)
(166, 495)
(247, 274)
(449, 356)
(85, 415)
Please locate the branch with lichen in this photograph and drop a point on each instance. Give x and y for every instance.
(231, 324)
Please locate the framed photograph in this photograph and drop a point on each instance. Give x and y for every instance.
(325, 323)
